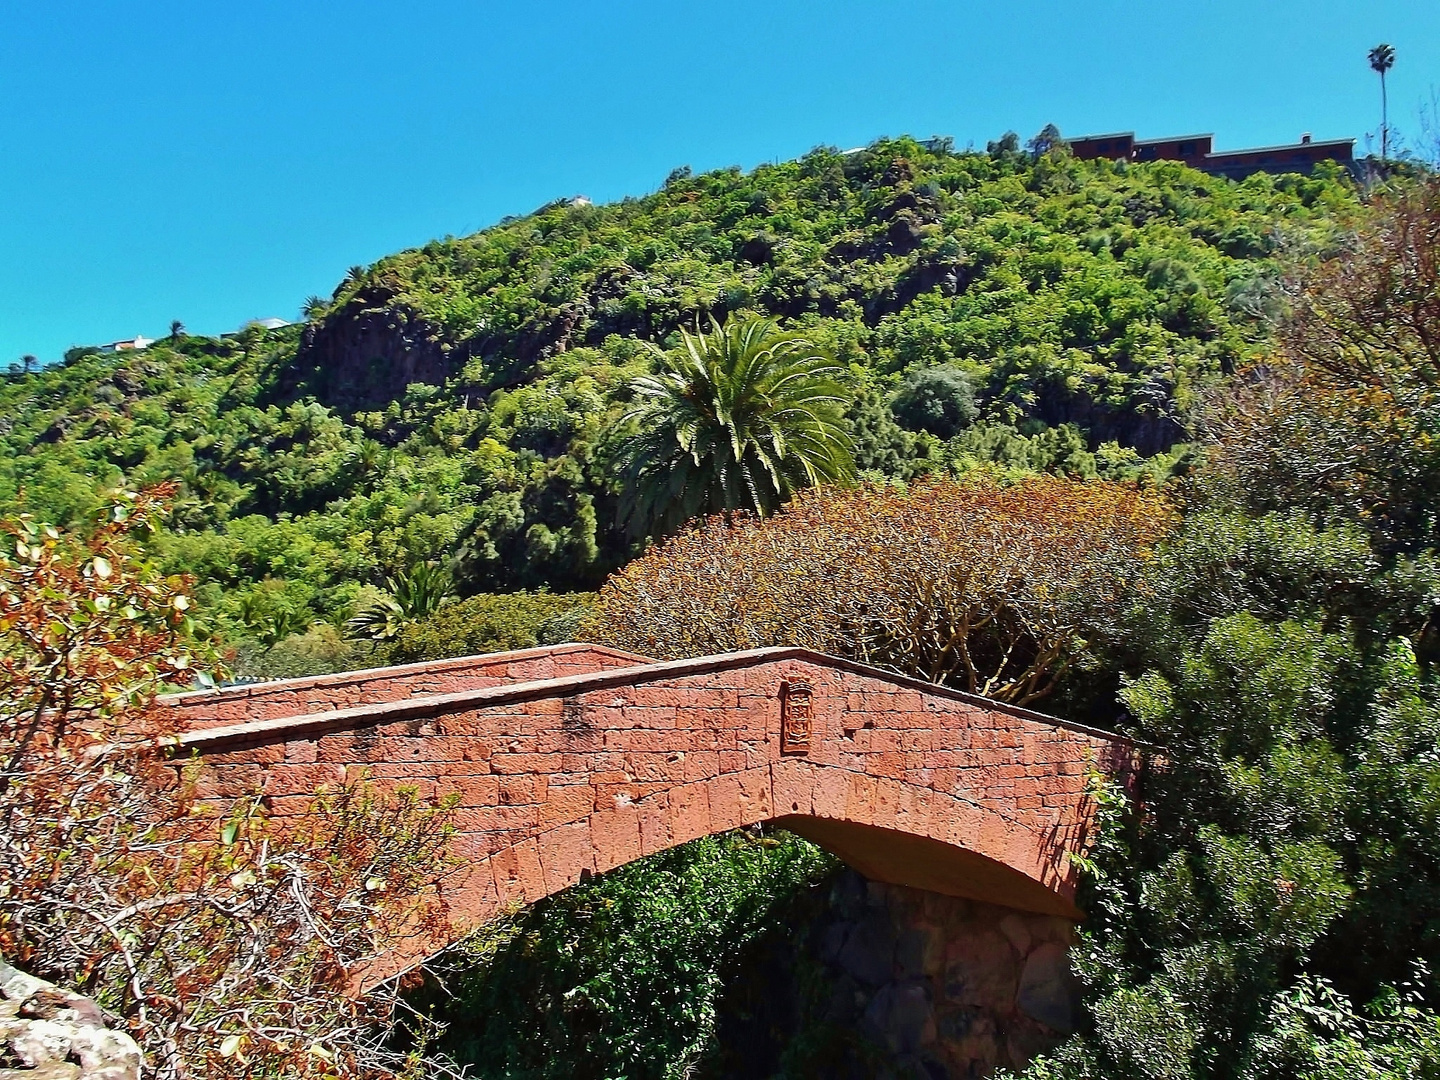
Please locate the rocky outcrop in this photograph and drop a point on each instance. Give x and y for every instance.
(47, 1033)
(364, 354)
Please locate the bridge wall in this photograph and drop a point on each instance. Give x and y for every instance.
(913, 784)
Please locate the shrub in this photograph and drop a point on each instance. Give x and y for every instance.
(996, 589)
(490, 622)
(940, 400)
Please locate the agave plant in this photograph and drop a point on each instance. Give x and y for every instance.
(737, 418)
(413, 594)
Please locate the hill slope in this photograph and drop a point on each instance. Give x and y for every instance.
(452, 401)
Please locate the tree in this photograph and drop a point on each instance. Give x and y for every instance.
(1382, 59)
(177, 329)
(1047, 139)
(218, 935)
(738, 418)
(1005, 146)
(1341, 420)
(29, 363)
(997, 590)
(940, 400)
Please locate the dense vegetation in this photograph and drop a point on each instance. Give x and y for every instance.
(455, 404)
(457, 413)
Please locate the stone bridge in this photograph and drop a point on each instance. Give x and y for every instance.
(575, 759)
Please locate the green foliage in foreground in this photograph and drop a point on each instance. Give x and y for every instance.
(455, 403)
(619, 979)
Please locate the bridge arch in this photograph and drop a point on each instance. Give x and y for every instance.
(575, 760)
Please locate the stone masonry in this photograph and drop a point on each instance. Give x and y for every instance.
(575, 760)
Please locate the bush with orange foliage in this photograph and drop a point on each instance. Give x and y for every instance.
(223, 943)
(997, 589)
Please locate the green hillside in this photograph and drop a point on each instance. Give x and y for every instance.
(454, 403)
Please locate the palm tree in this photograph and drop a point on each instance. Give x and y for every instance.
(369, 457)
(314, 307)
(737, 418)
(414, 593)
(1382, 59)
(177, 328)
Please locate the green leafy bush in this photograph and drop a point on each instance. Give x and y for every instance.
(621, 977)
(940, 400)
(489, 623)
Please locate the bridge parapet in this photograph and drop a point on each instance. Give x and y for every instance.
(199, 709)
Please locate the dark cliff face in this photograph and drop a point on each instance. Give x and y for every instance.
(362, 356)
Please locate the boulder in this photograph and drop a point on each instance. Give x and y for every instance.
(47, 1033)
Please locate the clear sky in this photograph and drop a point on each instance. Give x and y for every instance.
(214, 163)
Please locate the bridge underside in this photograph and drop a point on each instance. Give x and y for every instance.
(919, 862)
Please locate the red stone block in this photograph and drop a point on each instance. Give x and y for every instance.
(654, 814)
(565, 851)
(484, 819)
(509, 763)
(566, 804)
(859, 797)
(615, 835)
(301, 779)
(688, 812)
(518, 875)
(700, 765)
(301, 751)
(888, 798)
(792, 783)
(477, 790)
(831, 794)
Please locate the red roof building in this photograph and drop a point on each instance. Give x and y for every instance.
(1198, 152)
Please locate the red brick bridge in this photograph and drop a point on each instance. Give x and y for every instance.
(575, 759)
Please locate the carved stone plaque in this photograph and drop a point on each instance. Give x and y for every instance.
(797, 716)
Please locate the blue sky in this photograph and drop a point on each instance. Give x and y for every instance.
(217, 163)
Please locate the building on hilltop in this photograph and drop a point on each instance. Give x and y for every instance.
(262, 324)
(127, 345)
(1198, 152)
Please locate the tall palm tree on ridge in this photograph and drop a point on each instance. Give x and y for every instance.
(1382, 59)
(737, 418)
